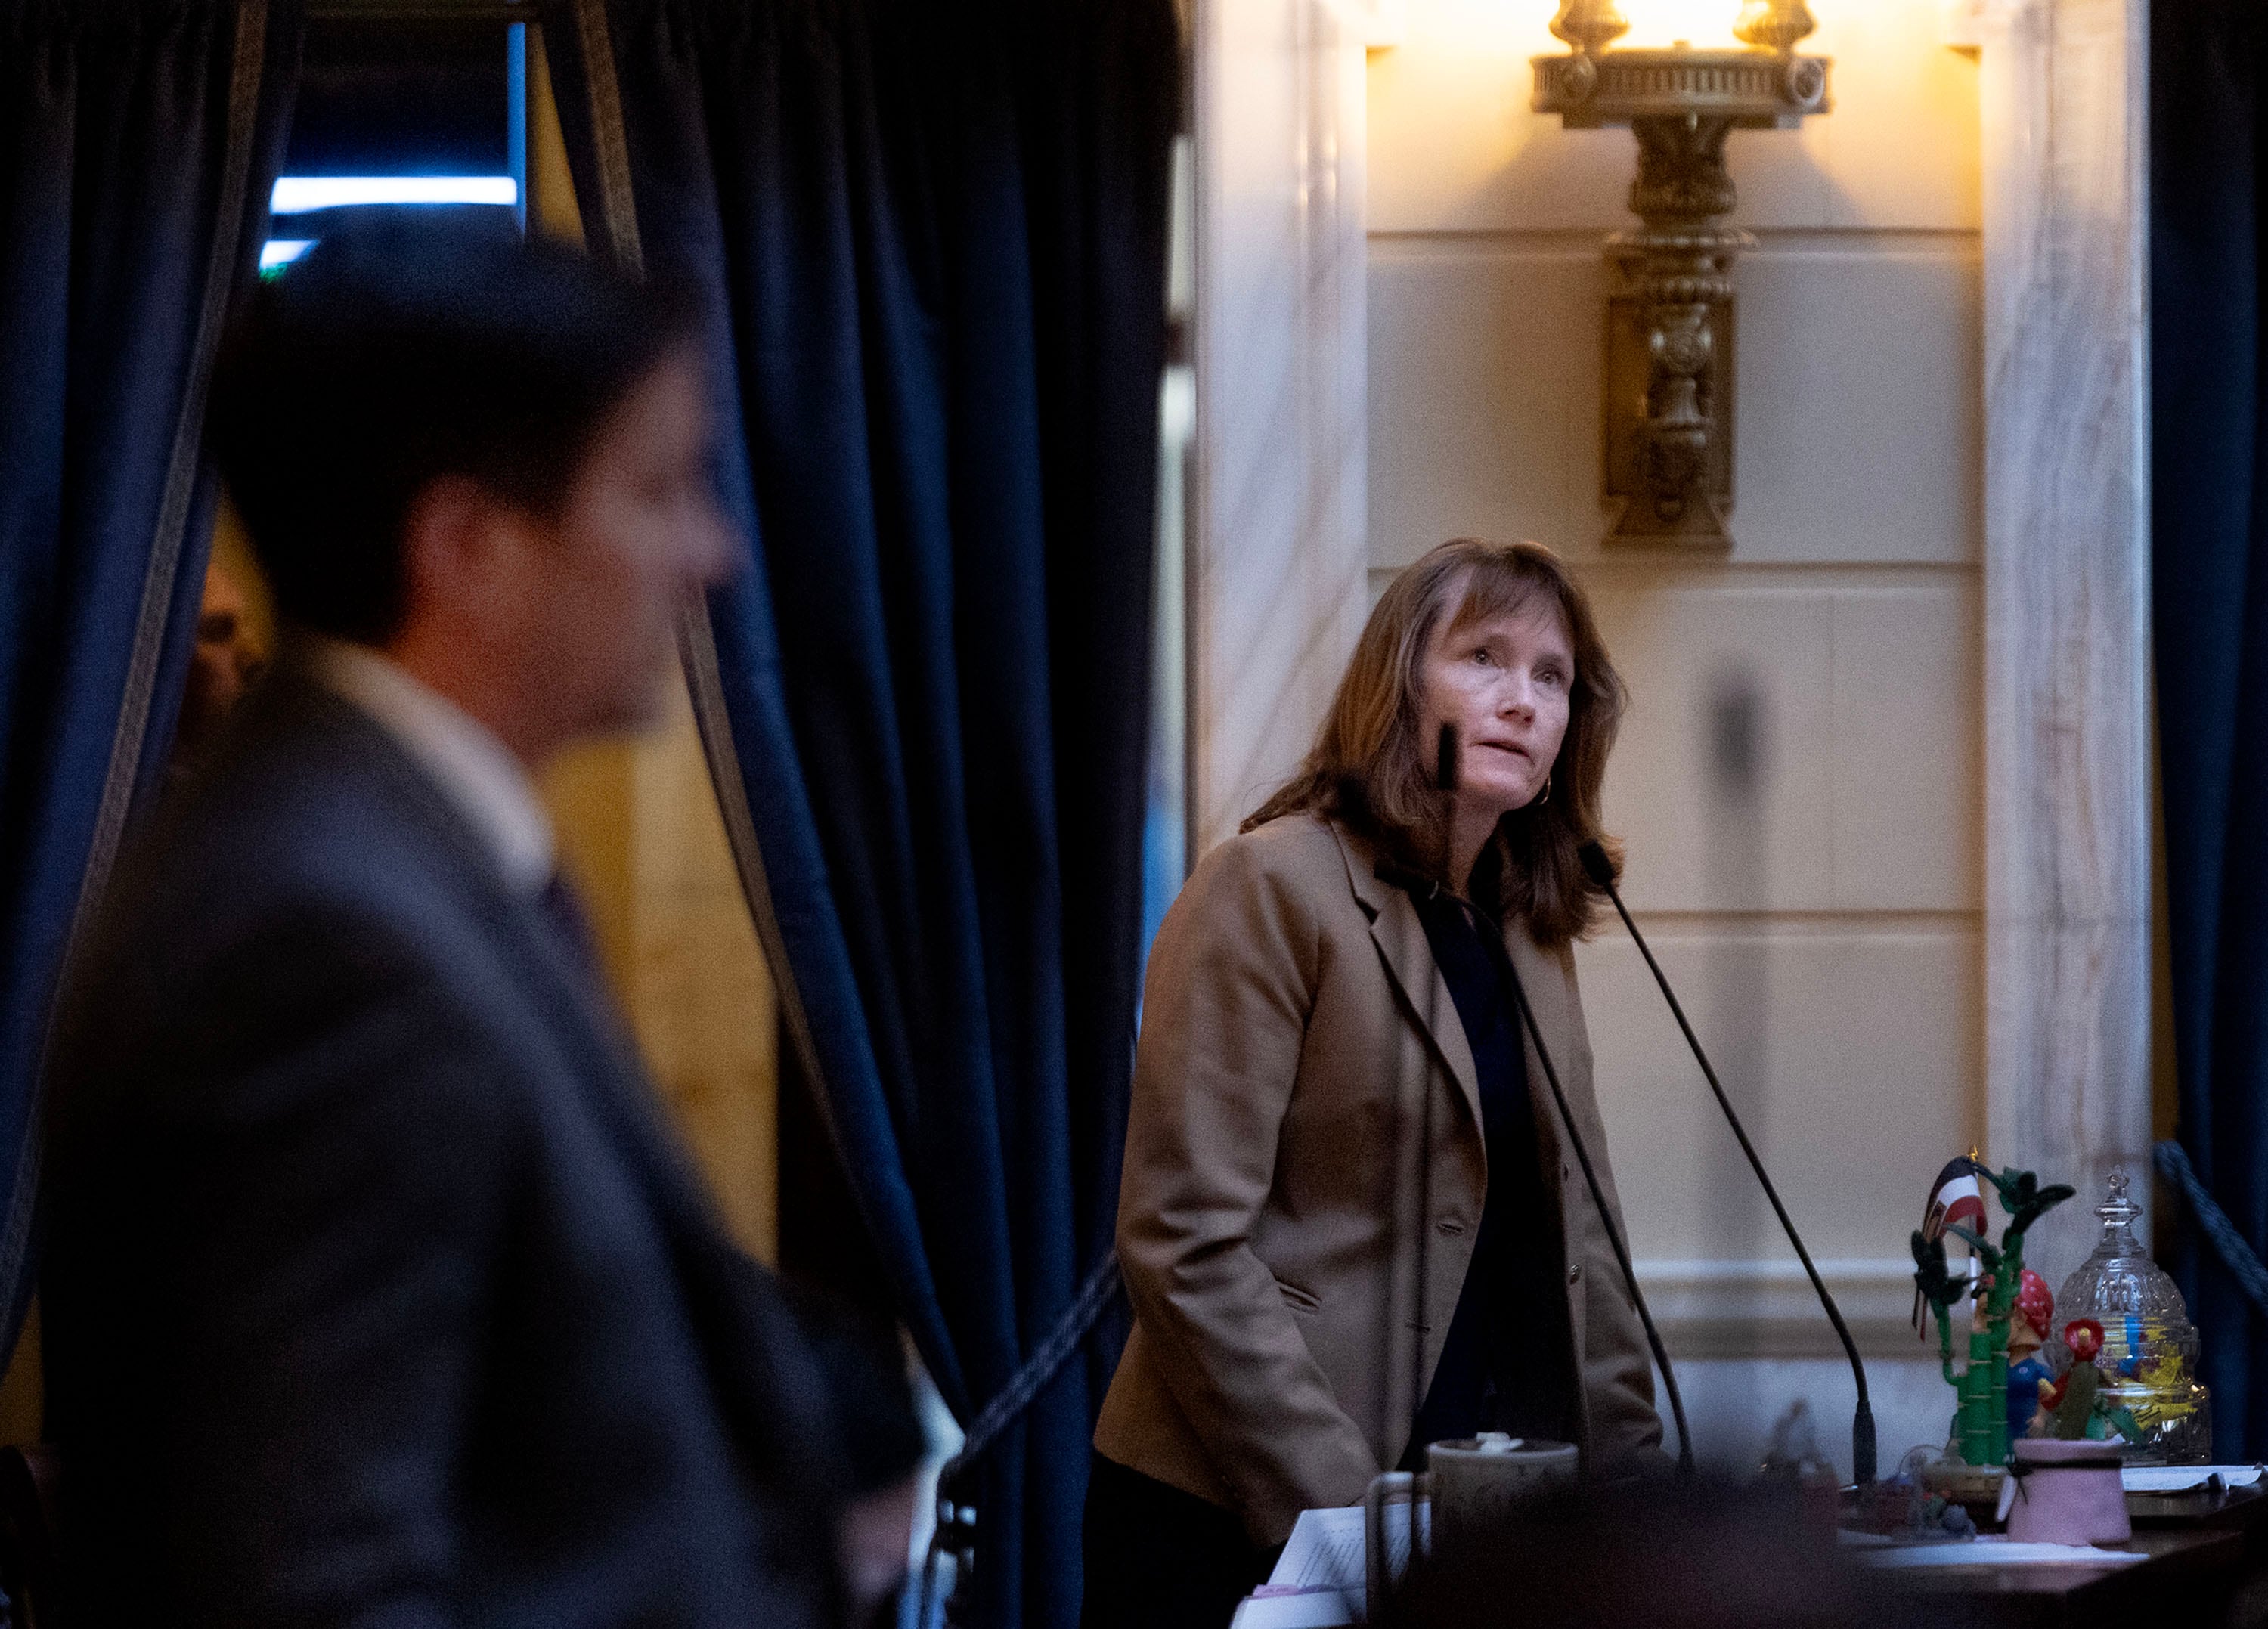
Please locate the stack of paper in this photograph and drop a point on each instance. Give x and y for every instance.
(1319, 1579)
(1987, 1550)
(2186, 1478)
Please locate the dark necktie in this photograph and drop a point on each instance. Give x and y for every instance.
(563, 908)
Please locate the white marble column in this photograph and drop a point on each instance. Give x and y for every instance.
(2067, 597)
(1278, 554)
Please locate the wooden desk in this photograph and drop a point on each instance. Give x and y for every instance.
(2243, 1508)
(2208, 1554)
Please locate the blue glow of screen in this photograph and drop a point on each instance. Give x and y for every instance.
(296, 195)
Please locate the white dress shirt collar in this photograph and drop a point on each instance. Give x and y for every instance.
(474, 771)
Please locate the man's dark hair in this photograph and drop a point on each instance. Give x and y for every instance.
(390, 355)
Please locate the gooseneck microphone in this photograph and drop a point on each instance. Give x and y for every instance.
(1607, 1221)
(1600, 870)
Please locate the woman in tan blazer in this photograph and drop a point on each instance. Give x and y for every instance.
(1333, 990)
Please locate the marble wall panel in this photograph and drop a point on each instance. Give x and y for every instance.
(1743, 1307)
(1484, 397)
(1795, 747)
(1279, 545)
(1908, 753)
(1720, 782)
(1854, 1053)
(1859, 403)
(1734, 1404)
(2067, 591)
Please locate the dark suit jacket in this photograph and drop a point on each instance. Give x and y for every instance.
(377, 1293)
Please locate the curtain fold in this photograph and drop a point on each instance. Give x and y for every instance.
(2210, 591)
(138, 139)
(933, 240)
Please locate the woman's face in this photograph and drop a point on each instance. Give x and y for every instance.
(1504, 684)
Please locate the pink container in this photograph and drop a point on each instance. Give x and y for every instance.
(2061, 1493)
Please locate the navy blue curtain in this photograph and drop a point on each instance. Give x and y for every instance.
(2210, 558)
(934, 239)
(138, 140)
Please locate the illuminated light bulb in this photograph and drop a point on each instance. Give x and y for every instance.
(1590, 25)
(1661, 24)
(1773, 25)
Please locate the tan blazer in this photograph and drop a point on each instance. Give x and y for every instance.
(1296, 1033)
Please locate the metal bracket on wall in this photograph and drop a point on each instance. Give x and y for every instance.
(1667, 439)
(1669, 386)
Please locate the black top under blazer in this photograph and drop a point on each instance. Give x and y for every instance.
(377, 1292)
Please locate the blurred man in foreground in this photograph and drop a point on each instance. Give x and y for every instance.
(378, 1292)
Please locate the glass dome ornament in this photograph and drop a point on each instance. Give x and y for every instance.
(2149, 1352)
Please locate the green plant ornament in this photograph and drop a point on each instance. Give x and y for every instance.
(1980, 1430)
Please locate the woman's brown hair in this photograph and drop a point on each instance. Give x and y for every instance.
(1369, 768)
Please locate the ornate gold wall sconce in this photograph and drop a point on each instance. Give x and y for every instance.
(1669, 396)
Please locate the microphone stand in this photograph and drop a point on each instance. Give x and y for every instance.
(1601, 870)
(1607, 1221)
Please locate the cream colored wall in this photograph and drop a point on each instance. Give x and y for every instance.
(1823, 927)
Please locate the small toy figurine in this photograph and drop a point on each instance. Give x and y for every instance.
(1955, 1198)
(2044, 1422)
(2080, 1407)
(2035, 1307)
(2075, 1408)
(1935, 1517)
(2138, 1339)
(1981, 1424)
(2026, 1380)
(2027, 1331)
